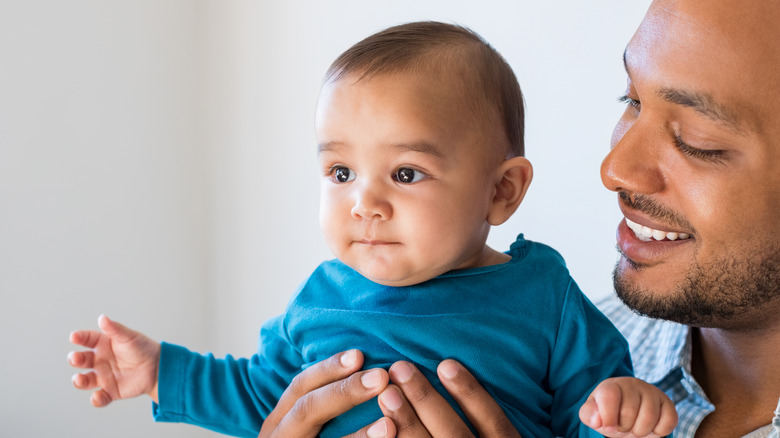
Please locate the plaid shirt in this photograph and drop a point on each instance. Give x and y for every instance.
(661, 351)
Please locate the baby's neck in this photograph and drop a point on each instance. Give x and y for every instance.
(492, 257)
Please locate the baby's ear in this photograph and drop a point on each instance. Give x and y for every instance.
(512, 180)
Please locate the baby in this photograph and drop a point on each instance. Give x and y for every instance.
(420, 144)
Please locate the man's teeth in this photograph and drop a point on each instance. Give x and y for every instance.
(647, 234)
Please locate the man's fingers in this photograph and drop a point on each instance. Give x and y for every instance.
(423, 411)
(322, 392)
(313, 409)
(396, 407)
(383, 428)
(483, 412)
(330, 370)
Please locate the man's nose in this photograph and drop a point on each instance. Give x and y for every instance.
(633, 163)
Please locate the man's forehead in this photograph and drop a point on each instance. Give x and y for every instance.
(703, 57)
(738, 23)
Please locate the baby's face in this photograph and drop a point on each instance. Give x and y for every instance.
(407, 177)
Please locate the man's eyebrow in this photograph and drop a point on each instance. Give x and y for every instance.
(705, 105)
(702, 103)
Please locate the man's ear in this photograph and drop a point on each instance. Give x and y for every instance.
(512, 180)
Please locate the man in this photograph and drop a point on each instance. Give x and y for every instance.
(695, 162)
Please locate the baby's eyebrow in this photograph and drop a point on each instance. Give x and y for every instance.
(421, 147)
(330, 146)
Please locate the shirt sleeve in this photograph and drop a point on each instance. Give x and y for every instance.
(230, 396)
(588, 349)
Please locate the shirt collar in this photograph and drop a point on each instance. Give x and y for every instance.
(671, 351)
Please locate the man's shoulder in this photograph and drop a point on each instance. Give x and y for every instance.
(656, 346)
(626, 320)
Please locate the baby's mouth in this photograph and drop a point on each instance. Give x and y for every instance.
(647, 234)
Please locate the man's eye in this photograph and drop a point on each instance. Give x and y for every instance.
(407, 176)
(714, 156)
(630, 102)
(343, 174)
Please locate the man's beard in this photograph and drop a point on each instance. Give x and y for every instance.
(716, 295)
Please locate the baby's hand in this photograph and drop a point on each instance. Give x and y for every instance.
(623, 407)
(123, 362)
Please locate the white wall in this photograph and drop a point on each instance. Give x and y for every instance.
(103, 200)
(157, 164)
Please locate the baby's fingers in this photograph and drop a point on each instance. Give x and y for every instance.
(85, 380)
(85, 338)
(100, 398)
(668, 420)
(647, 418)
(610, 405)
(81, 359)
(589, 414)
(115, 330)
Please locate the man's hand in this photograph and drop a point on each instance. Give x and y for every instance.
(412, 407)
(419, 411)
(324, 391)
(123, 362)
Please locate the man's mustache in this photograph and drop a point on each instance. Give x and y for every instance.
(646, 205)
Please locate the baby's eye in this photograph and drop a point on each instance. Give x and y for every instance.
(343, 174)
(407, 176)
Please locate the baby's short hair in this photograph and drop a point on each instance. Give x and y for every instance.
(417, 46)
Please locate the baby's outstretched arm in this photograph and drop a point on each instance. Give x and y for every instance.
(627, 407)
(122, 362)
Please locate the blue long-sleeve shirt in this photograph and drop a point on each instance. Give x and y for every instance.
(523, 328)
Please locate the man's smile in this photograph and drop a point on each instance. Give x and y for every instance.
(647, 234)
(645, 245)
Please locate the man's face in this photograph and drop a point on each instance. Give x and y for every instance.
(695, 161)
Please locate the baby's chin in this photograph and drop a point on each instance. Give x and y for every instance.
(396, 282)
(398, 279)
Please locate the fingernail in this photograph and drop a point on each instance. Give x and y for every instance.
(371, 379)
(402, 372)
(348, 359)
(449, 369)
(391, 399)
(377, 430)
